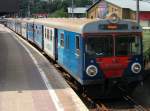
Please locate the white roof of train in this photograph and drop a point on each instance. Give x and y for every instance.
(78, 25)
(82, 25)
(21, 19)
(70, 24)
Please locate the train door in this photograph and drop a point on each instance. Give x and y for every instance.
(38, 35)
(20, 28)
(61, 46)
(49, 41)
(24, 32)
(67, 51)
(27, 28)
(56, 43)
(74, 54)
(78, 54)
(31, 32)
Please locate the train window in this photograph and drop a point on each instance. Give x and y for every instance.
(67, 41)
(62, 40)
(47, 34)
(99, 46)
(77, 44)
(128, 45)
(51, 34)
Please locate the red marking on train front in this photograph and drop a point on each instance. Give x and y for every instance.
(113, 66)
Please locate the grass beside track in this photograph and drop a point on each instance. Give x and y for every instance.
(146, 40)
(146, 47)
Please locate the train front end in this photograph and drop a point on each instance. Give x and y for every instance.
(113, 54)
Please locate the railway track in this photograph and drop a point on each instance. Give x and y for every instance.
(131, 105)
(137, 107)
(99, 105)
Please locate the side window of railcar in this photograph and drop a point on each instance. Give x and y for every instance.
(51, 35)
(67, 40)
(77, 43)
(62, 40)
(25, 26)
(45, 33)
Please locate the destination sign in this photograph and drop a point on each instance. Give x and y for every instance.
(113, 26)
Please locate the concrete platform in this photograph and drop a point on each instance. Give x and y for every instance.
(28, 82)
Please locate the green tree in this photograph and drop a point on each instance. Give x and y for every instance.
(59, 13)
(50, 6)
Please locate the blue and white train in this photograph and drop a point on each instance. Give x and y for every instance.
(96, 53)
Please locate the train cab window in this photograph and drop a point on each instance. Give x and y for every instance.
(77, 44)
(99, 46)
(62, 40)
(128, 45)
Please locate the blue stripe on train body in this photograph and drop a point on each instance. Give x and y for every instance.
(30, 32)
(38, 35)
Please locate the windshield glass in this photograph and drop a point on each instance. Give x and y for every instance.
(126, 45)
(103, 46)
(99, 46)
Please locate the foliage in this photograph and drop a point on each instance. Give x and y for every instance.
(59, 13)
(53, 7)
(146, 41)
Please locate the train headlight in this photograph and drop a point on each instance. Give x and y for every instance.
(136, 68)
(91, 70)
